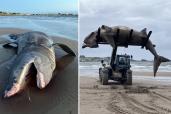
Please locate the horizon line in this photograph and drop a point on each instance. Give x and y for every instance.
(41, 12)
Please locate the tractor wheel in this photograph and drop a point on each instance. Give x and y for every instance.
(129, 77)
(104, 77)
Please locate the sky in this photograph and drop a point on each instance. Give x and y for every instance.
(39, 6)
(155, 15)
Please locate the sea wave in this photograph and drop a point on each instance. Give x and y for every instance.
(139, 66)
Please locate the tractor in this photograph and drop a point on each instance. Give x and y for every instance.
(118, 70)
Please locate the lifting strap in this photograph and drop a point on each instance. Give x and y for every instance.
(129, 38)
(98, 35)
(99, 39)
(115, 37)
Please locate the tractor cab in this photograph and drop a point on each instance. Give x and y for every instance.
(122, 62)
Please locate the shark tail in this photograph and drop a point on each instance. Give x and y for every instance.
(157, 61)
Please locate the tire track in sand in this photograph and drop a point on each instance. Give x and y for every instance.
(156, 96)
(112, 106)
(136, 106)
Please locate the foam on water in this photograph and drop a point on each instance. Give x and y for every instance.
(87, 68)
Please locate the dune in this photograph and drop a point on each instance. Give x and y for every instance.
(59, 97)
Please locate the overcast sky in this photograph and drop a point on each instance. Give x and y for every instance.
(155, 15)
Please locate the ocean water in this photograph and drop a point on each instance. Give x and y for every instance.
(57, 26)
(91, 68)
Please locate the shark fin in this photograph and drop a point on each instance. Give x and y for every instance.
(105, 27)
(157, 61)
(144, 31)
(10, 45)
(65, 48)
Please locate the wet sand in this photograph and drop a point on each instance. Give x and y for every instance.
(147, 95)
(59, 97)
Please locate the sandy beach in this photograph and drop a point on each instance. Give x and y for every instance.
(147, 95)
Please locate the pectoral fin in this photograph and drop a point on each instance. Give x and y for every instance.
(10, 45)
(65, 48)
(8, 42)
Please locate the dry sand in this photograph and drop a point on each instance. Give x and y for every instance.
(59, 97)
(146, 96)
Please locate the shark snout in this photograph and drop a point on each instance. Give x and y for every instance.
(12, 91)
(84, 45)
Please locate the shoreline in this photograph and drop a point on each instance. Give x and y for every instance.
(3, 13)
(43, 15)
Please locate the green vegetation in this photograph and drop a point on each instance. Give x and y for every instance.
(29, 14)
(8, 14)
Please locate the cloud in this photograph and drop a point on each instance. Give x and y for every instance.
(155, 15)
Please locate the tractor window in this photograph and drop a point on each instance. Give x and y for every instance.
(122, 60)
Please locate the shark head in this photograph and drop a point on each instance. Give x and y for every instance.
(91, 40)
(96, 37)
(36, 52)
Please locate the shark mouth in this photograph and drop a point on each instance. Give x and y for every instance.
(19, 84)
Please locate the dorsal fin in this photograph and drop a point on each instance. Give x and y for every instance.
(106, 28)
(144, 31)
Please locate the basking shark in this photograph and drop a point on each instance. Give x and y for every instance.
(122, 36)
(34, 50)
(59, 96)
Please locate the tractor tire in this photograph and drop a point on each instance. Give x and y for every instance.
(104, 77)
(129, 77)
